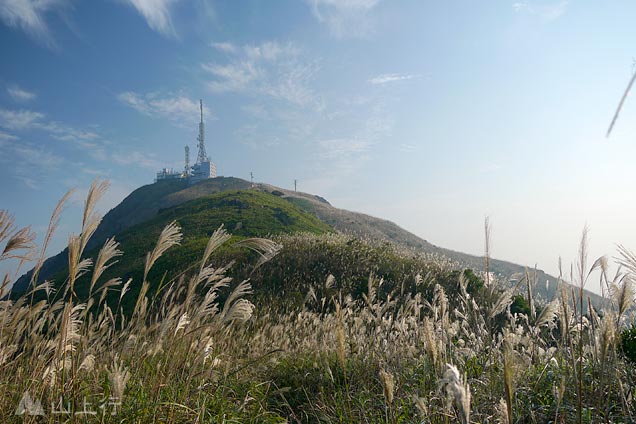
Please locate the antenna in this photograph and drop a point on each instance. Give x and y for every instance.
(202, 156)
(252, 177)
(186, 170)
(295, 181)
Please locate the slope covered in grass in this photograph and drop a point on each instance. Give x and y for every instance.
(387, 336)
(246, 213)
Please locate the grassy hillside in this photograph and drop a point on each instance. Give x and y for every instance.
(246, 213)
(142, 204)
(363, 225)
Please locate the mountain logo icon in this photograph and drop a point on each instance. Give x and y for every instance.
(28, 406)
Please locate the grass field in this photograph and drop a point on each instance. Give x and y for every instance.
(382, 336)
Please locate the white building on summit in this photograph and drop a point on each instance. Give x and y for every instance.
(203, 168)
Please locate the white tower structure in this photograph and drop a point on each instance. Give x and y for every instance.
(202, 156)
(204, 168)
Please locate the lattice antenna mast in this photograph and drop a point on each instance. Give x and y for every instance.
(186, 170)
(202, 156)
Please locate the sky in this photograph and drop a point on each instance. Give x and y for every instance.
(432, 114)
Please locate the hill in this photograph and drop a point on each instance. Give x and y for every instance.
(151, 206)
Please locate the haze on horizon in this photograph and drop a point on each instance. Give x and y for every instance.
(430, 114)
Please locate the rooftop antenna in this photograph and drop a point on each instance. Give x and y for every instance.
(202, 156)
(186, 170)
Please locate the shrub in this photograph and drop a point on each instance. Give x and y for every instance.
(628, 343)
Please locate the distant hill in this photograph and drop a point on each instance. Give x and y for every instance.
(144, 212)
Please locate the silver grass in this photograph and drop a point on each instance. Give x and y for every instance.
(54, 221)
(219, 237)
(502, 412)
(620, 104)
(241, 310)
(370, 297)
(421, 405)
(182, 323)
(6, 224)
(170, 236)
(107, 252)
(95, 192)
(627, 259)
(118, 376)
(88, 363)
(6, 280)
(457, 391)
(244, 288)
(504, 300)
(124, 289)
(20, 240)
(623, 295)
(265, 248)
(330, 283)
(388, 385)
(549, 313)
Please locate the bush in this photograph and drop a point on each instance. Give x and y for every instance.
(628, 343)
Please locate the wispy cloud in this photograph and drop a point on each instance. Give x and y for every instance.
(19, 119)
(28, 162)
(29, 120)
(157, 14)
(344, 17)
(31, 16)
(224, 46)
(65, 132)
(135, 158)
(388, 78)
(271, 68)
(7, 136)
(547, 12)
(32, 163)
(20, 95)
(178, 109)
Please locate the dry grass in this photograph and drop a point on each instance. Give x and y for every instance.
(197, 350)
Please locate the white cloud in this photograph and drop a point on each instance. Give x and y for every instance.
(225, 47)
(30, 15)
(546, 12)
(344, 17)
(19, 119)
(522, 7)
(64, 132)
(28, 162)
(178, 109)
(388, 78)
(135, 158)
(6, 136)
(29, 120)
(272, 69)
(157, 14)
(20, 95)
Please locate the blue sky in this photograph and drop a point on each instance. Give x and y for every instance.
(430, 114)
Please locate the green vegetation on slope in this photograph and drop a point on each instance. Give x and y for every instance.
(246, 213)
